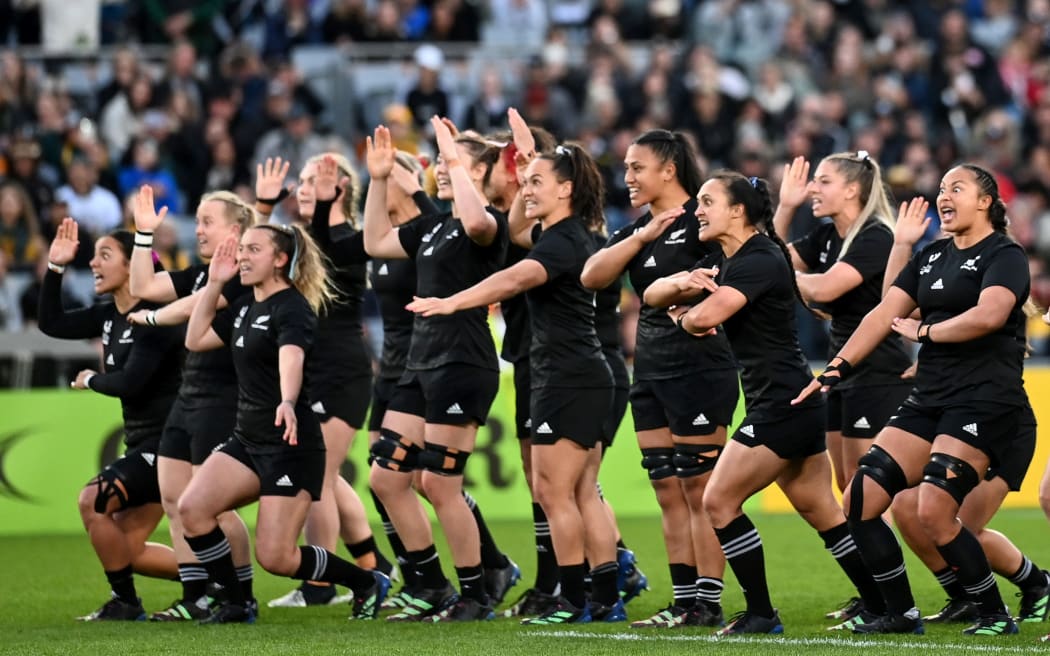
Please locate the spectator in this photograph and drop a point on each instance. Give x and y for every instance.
(20, 238)
(96, 210)
(167, 249)
(454, 20)
(386, 24)
(121, 118)
(124, 69)
(346, 22)
(181, 78)
(145, 169)
(38, 178)
(488, 111)
(964, 76)
(295, 140)
(223, 173)
(398, 119)
(168, 21)
(427, 98)
(292, 25)
(743, 33)
(996, 27)
(521, 22)
(29, 301)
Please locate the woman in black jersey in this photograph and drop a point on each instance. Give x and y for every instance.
(275, 456)
(751, 293)
(571, 382)
(120, 507)
(685, 390)
(328, 194)
(839, 269)
(962, 415)
(451, 376)
(206, 410)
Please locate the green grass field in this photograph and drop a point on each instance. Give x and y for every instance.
(48, 581)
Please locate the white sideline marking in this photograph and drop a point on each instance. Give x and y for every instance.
(783, 641)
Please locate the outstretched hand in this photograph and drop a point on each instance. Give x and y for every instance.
(326, 179)
(793, 188)
(269, 178)
(147, 218)
(223, 266)
(446, 140)
(430, 306)
(64, 246)
(380, 153)
(912, 221)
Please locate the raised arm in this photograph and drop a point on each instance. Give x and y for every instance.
(53, 319)
(792, 195)
(145, 283)
(200, 336)
(912, 223)
(519, 226)
(479, 225)
(608, 264)
(270, 188)
(380, 236)
(501, 285)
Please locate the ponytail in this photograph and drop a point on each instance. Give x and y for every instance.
(875, 201)
(675, 148)
(306, 270)
(572, 163)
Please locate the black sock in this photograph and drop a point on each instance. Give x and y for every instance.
(362, 548)
(491, 556)
(388, 528)
(194, 579)
(1029, 575)
(620, 545)
(709, 592)
(572, 584)
(122, 582)
(840, 545)
(472, 584)
(683, 582)
(603, 583)
(951, 585)
(546, 562)
(967, 558)
(882, 554)
(317, 564)
(213, 551)
(244, 575)
(428, 568)
(742, 547)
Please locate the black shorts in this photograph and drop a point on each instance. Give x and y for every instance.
(990, 427)
(800, 433)
(690, 405)
(342, 398)
(192, 432)
(1016, 460)
(522, 398)
(861, 412)
(615, 417)
(382, 392)
(281, 473)
(137, 471)
(455, 394)
(572, 413)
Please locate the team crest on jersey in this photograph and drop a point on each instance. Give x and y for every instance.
(261, 322)
(240, 317)
(430, 235)
(971, 264)
(676, 237)
(453, 234)
(933, 258)
(106, 327)
(125, 337)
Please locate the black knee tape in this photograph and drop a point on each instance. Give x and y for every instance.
(659, 463)
(881, 468)
(443, 460)
(110, 486)
(953, 475)
(695, 459)
(392, 451)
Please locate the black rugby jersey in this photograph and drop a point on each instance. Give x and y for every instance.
(607, 322)
(449, 261)
(662, 350)
(565, 350)
(516, 338)
(763, 333)
(140, 364)
(867, 254)
(208, 377)
(945, 282)
(255, 332)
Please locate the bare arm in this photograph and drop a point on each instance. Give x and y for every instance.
(911, 226)
(290, 361)
(792, 195)
(173, 314)
(990, 314)
(608, 264)
(199, 334)
(501, 285)
(710, 313)
(830, 285)
(681, 287)
(479, 225)
(380, 235)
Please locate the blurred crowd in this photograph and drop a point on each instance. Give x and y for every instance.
(919, 85)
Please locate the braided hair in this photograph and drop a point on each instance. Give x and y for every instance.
(572, 163)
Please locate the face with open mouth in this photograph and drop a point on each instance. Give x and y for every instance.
(958, 199)
(827, 190)
(643, 175)
(542, 193)
(441, 172)
(712, 210)
(257, 256)
(109, 266)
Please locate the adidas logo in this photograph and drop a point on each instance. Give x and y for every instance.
(318, 408)
(428, 251)
(240, 342)
(651, 262)
(109, 360)
(284, 481)
(149, 458)
(700, 420)
(528, 423)
(862, 423)
(382, 270)
(748, 430)
(971, 429)
(937, 284)
(454, 409)
(544, 429)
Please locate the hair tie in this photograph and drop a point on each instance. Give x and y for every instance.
(753, 181)
(865, 158)
(295, 255)
(562, 150)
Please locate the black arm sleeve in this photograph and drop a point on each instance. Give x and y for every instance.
(147, 355)
(56, 321)
(425, 203)
(319, 222)
(347, 246)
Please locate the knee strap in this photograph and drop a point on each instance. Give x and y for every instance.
(695, 459)
(392, 451)
(881, 468)
(953, 475)
(659, 463)
(110, 486)
(443, 460)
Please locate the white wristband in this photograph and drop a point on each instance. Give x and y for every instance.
(57, 268)
(144, 239)
(87, 381)
(151, 318)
